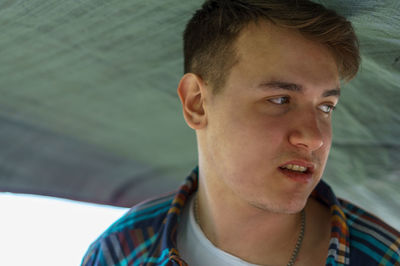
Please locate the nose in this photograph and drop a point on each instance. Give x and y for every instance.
(306, 133)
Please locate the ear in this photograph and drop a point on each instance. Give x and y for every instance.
(191, 91)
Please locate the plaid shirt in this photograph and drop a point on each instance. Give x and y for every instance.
(146, 235)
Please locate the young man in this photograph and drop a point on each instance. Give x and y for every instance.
(262, 79)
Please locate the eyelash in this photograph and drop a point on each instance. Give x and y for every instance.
(287, 100)
(331, 107)
(285, 97)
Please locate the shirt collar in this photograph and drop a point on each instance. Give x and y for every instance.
(338, 253)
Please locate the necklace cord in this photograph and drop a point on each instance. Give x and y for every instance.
(299, 241)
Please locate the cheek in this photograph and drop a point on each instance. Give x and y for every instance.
(245, 134)
(323, 153)
(326, 131)
(258, 129)
(327, 147)
(255, 140)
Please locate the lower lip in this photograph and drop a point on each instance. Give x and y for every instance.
(303, 178)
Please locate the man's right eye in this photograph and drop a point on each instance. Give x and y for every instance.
(279, 100)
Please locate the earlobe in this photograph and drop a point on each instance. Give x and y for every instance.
(191, 92)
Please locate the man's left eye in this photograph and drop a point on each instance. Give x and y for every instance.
(327, 108)
(279, 100)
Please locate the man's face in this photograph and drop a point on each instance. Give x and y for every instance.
(274, 110)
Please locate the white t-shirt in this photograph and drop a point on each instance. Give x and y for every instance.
(196, 249)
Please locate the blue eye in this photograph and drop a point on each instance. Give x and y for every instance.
(279, 100)
(327, 108)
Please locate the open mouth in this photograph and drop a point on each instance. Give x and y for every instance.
(296, 169)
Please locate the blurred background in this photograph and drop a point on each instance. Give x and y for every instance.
(89, 111)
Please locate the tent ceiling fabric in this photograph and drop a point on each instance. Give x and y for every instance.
(88, 106)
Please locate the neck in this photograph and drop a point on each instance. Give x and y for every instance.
(270, 237)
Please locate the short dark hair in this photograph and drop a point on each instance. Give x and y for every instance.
(210, 34)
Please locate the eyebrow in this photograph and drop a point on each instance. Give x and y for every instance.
(295, 87)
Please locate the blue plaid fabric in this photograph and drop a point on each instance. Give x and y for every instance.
(146, 235)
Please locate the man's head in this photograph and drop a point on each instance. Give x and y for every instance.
(270, 117)
(210, 35)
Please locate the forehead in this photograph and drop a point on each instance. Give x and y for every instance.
(266, 51)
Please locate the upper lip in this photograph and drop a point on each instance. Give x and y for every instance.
(310, 166)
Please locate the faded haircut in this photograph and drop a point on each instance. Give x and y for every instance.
(210, 35)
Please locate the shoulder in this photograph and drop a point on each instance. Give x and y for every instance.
(371, 239)
(130, 235)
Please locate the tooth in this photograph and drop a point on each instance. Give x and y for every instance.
(294, 167)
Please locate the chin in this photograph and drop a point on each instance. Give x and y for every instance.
(283, 207)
